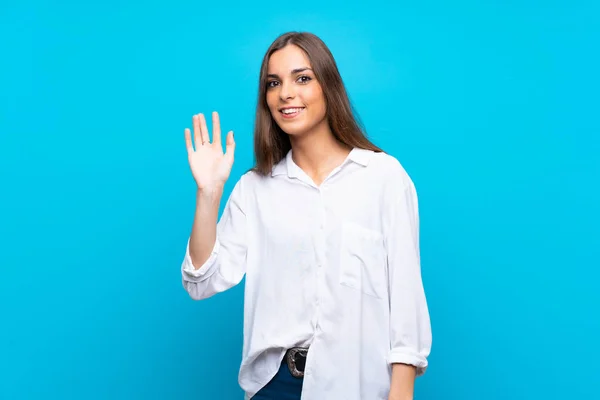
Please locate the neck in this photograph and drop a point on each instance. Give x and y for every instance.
(318, 152)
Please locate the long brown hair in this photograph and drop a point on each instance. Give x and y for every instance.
(271, 144)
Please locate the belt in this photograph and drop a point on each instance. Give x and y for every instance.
(296, 360)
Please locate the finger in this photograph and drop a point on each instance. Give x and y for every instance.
(216, 125)
(204, 130)
(188, 141)
(197, 132)
(230, 147)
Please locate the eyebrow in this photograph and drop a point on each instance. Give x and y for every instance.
(294, 71)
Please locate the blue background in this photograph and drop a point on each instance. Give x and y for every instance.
(491, 106)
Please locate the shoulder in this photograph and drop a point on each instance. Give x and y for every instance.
(249, 182)
(398, 191)
(252, 178)
(390, 170)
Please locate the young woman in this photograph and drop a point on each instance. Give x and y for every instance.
(325, 228)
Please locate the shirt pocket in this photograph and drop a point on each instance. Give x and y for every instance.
(362, 260)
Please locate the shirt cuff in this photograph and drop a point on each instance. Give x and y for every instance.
(410, 358)
(190, 273)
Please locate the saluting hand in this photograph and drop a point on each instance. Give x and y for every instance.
(209, 165)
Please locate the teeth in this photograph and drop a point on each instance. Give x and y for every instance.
(291, 110)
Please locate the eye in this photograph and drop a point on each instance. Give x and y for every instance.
(271, 84)
(304, 79)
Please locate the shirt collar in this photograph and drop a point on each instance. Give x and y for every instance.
(289, 167)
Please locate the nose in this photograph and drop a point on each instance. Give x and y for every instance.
(287, 91)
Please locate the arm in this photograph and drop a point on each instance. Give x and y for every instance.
(403, 382)
(410, 329)
(204, 228)
(215, 255)
(215, 258)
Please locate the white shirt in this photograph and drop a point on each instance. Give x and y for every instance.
(335, 267)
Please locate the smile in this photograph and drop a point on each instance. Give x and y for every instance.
(291, 112)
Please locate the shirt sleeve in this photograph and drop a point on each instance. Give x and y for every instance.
(226, 264)
(410, 329)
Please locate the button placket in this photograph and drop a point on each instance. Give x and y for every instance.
(320, 255)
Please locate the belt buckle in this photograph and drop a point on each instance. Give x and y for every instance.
(291, 360)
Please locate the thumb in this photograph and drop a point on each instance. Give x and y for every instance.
(230, 146)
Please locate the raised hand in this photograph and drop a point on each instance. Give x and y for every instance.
(209, 165)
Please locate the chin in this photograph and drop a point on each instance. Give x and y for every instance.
(298, 129)
(294, 132)
(298, 132)
(293, 129)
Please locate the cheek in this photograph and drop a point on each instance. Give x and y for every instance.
(271, 102)
(318, 102)
(314, 97)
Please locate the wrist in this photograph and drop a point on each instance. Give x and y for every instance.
(208, 200)
(210, 192)
(399, 396)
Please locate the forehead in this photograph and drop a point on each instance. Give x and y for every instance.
(283, 61)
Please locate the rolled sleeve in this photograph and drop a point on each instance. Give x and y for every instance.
(407, 356)
(226, 264)
(410, 328)
(192, 274)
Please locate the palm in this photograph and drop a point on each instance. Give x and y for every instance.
(210, 166)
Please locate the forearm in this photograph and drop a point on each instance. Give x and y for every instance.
(403, 382)
(204, 228)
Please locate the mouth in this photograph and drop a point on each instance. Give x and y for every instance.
(291, 112)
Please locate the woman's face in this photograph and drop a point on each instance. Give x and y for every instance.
(294, 96)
